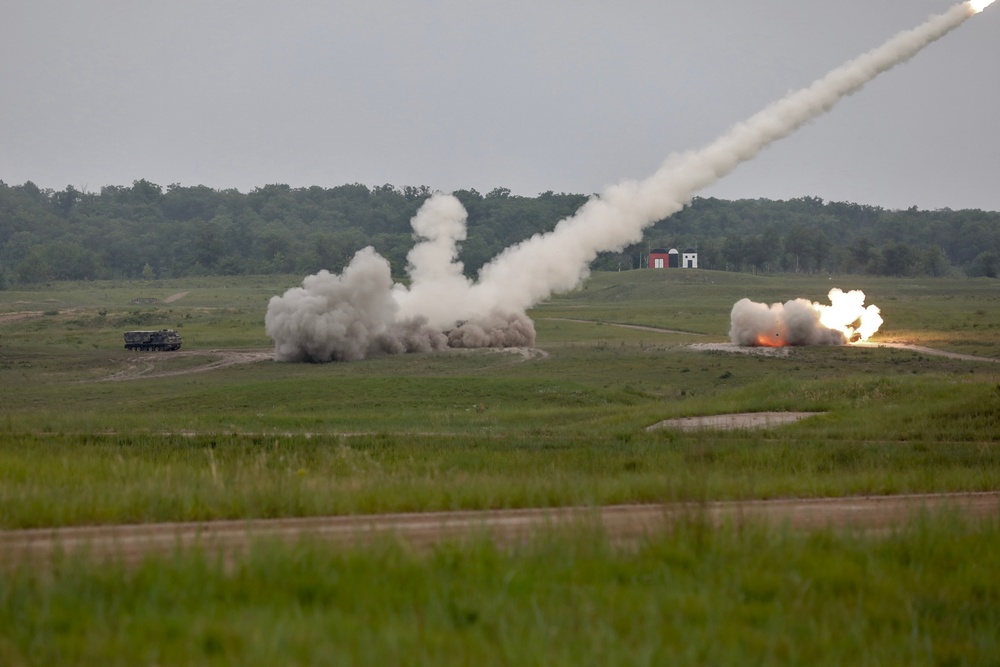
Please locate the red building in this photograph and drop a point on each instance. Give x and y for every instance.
(660, 258)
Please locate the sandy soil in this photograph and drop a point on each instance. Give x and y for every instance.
(733, 421)
(175, 297)
(623, 524)
(739, 349)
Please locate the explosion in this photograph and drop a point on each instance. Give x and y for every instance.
(802, 322)
(338, 318)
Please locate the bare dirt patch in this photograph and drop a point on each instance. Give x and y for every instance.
(733, 421)
(175, 297)
(785, 351)
(928, 350)
(525, 353)
(622, 524)
(739, 349)
(11, 318)
(143, 365)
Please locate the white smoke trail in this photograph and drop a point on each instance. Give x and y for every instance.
(327, 319)
(558, 261)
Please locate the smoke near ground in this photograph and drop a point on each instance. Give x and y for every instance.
(361, 312)
(346, 317)
(803, 322)
(512, 330)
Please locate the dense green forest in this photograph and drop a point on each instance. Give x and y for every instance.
(147, 231)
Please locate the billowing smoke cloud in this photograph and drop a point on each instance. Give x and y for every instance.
(802, 322)
(346, 317)
(513, 330)
(361, 313)
(440, 298)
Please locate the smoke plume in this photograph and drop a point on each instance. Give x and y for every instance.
(802, 322)
(359, 313)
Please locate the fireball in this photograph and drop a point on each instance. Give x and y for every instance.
(848, 315)
(802, 322)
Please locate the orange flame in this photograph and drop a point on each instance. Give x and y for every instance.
(802, 322)
(767, 340)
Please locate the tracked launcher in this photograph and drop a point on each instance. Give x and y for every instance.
(163, 340)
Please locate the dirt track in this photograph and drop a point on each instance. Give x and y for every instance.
(928, 350)
(730, 422)
(143, 364)
(623, 524)
(638, 327)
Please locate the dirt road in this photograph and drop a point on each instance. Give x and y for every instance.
(928, 350)
(144, 365)
(637, 327)
(622, 524)
(733, 421)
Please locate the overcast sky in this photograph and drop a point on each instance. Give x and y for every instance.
(532, 95)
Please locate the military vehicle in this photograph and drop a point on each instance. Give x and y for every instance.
(164, 340)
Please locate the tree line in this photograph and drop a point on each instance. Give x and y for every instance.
(148, 231)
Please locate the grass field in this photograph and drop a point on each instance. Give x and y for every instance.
(484, 429)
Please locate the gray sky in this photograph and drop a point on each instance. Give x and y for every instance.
(533, 95)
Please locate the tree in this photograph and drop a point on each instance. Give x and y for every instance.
(413, 194)
(498, 193)
(862, 252)
(934, 262)
(146, 192)
(65, 201)
(34, 268)
(899, 259)
(798, 247)
(985, 265)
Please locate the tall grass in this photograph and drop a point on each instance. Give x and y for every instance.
(493, 430)
(76, 480)
(926, 594)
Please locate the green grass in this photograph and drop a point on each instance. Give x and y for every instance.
(63, 480)
(492, 430)
(483, 429)
(927, 594)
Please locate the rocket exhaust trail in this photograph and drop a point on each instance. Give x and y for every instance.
(361, 312)
(526, 273)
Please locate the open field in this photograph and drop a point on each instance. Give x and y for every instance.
(93, 435)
